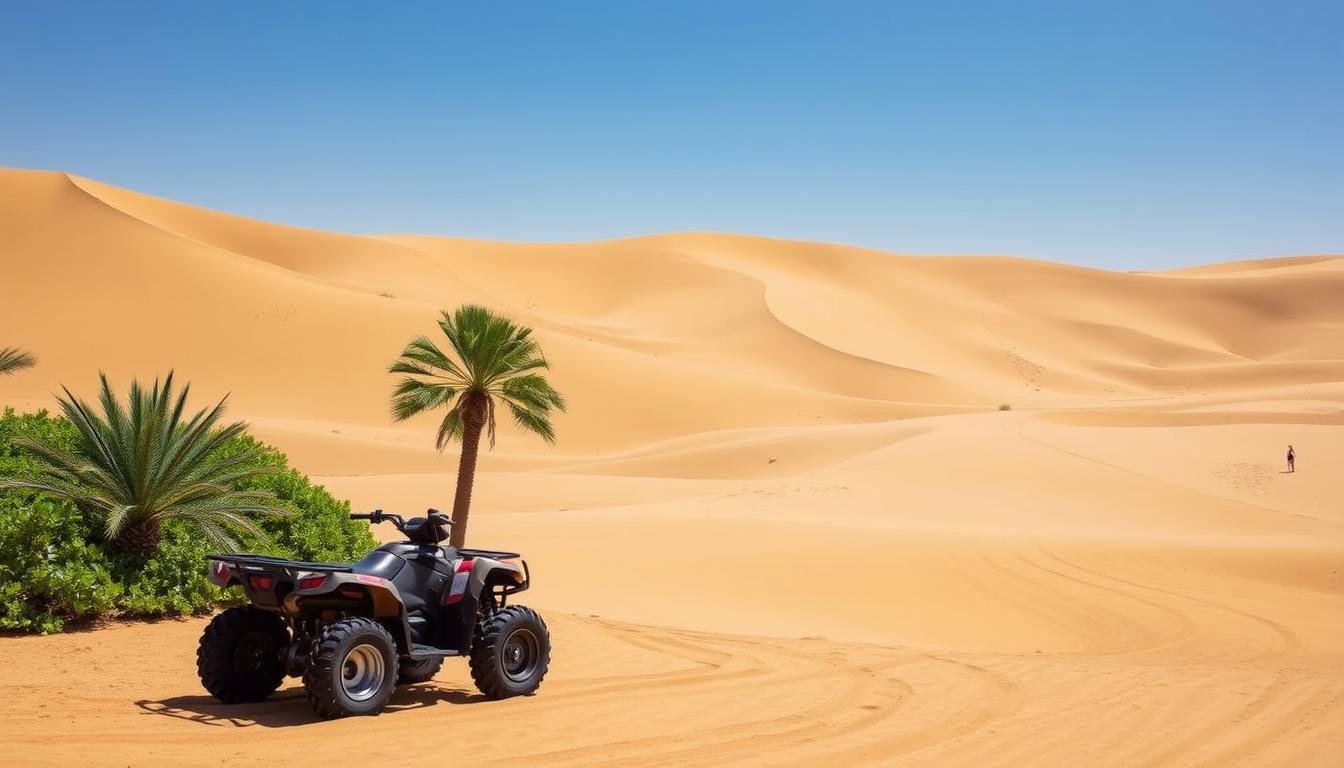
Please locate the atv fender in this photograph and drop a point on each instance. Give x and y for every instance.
(473, 577)
(388, 608)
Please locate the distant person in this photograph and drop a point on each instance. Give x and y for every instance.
(1292, 458)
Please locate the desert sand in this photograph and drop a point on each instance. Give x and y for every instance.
(785, 522)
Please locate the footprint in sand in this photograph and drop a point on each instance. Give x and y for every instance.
(1245, 478)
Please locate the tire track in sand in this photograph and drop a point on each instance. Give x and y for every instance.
(845, 694)
(1287, 639)
(1259, 719)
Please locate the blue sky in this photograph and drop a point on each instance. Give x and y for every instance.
(1125, 135)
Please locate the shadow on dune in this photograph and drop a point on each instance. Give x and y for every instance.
(290, 707)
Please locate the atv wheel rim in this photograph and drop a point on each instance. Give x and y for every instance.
(254, 655)
(521, 655)
(362, 672)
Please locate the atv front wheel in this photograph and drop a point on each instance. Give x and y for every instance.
(511, 653)
(419, 671)
(238, 658)
(352, 669)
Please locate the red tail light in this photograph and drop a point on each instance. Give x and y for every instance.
(260, 582)
(312, 582)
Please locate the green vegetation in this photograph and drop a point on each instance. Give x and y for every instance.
(13, 360)
(139, 465)
(1005, 407)
(48, 570)
(494, 360)
(56, 564)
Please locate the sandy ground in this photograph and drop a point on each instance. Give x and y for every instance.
(785, 522)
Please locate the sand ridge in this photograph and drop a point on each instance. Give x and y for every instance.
(821, 540)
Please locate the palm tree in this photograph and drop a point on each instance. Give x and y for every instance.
(140, 465)
(13, 359)
(494, 360)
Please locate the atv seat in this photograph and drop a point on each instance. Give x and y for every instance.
(419, 530)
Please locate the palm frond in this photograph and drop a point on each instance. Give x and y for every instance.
(534, 422)
(533, 391)
(53, 486)
(118, 516)
(451, 428)
(57, 459)
(413, 396)
(13, 359)
(422, 357)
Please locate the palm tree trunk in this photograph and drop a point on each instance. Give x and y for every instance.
(473, 421)
(140, 538)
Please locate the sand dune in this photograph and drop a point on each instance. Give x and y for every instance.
(818, 538)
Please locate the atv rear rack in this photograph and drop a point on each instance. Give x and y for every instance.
(266, 562)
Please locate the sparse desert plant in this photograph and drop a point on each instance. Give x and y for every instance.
(494, 361)
(138, 465)
(13, 360)
(1005, 407)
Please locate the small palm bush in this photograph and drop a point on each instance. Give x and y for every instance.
(140, 464)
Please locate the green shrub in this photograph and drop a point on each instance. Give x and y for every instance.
(49, 573)
(56, 430)
(54, 568)
(172, 581)
(1005, 407)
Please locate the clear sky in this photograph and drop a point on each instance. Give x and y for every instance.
(1126, 135)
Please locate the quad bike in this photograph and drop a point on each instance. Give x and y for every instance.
(354, 632)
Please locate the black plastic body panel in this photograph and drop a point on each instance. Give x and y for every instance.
(423, 578)
(278, 575)
(421, 628)
(381, 564)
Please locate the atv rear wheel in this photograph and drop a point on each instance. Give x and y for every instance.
(238, 658)
(352, 668)
(419, 671)
(510, 653)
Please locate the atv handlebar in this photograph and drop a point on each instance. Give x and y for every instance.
(379, 516)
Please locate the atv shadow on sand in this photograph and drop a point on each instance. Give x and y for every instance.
(290, 707)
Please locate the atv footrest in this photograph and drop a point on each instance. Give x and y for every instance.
(419, 651)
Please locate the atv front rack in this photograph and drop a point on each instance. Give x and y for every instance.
(493, 554)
